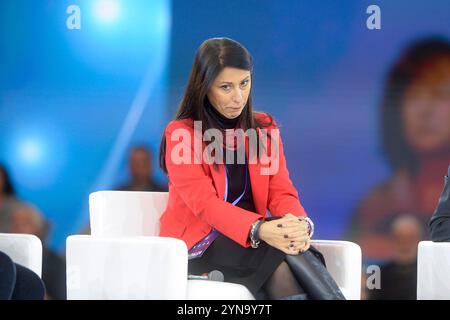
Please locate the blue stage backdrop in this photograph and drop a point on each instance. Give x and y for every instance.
(74, 101)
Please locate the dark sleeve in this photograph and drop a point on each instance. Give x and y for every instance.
(440, 221)
(54, 274)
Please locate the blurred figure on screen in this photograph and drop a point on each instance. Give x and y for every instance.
(415, 127)
(140, 169)
(399, 275)
(26, 218)
(8, 199)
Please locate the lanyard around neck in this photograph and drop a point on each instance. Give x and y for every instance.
(226, 186)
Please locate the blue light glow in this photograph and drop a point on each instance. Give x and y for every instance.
(37, 153)
(107, 11)
(30, 151)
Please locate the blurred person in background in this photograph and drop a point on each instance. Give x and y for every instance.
(26, 218)
(140, 169)
(399, 275)
(415, 126)
(8, 199)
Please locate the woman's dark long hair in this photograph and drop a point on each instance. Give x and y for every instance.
(8, 188)
(211, 58)
(406, 69)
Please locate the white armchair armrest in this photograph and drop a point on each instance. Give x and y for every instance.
(126, 268)
(433, 271)
(24, 249)
(344, 261)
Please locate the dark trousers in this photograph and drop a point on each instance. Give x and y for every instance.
(18, 282)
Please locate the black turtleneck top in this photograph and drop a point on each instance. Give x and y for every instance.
(236, 173)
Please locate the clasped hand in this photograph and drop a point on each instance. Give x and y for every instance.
(288, 234)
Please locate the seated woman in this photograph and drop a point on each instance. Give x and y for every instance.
(226, 168)
(440, 221)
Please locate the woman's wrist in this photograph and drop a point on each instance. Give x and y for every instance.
(254, 233)
(258, 229)
(310, 225)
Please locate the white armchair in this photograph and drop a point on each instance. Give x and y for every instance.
(24, 249)
(123, 258)
(433, 271)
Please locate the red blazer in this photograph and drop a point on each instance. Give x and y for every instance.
(196, 194)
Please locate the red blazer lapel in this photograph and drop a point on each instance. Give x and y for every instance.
(218, 177)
